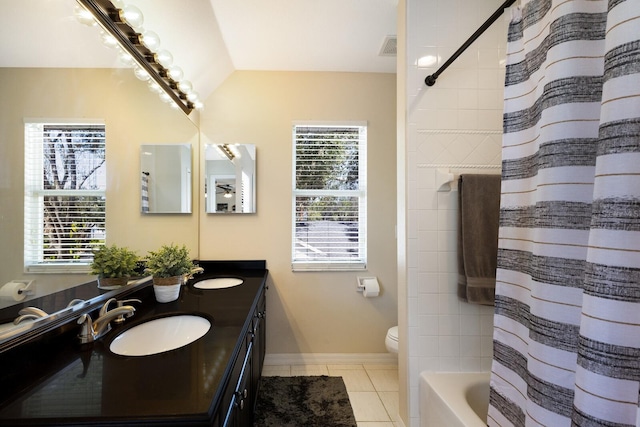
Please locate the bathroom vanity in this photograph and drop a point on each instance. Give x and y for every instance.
(49, 378)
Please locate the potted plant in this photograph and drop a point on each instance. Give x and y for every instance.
(114, 266)
(170, 266)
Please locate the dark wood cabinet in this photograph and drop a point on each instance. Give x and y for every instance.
(211, 382)
(242, 390)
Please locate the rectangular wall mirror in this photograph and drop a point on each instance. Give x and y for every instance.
(230, 178)
(165, 179)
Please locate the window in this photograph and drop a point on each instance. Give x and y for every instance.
(65, 183)
(329, 197)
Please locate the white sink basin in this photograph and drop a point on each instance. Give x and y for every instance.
(218, 283)
(160, 335)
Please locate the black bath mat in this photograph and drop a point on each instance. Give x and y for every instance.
(317, 401)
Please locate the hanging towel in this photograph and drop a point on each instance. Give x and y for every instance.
(145, 192)
(478, 218)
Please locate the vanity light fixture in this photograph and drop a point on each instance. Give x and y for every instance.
(226, 150)
(124, 24)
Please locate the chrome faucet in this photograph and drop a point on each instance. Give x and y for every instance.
(74, 302)
(119, 303)
(93, 330)
(29, 313)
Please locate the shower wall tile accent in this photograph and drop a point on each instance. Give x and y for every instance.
(456, 121)
(451, 335)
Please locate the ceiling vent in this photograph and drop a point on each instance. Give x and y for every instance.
(389, 46)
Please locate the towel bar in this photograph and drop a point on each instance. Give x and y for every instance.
(445, 176)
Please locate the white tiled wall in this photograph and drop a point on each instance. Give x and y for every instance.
(457, 121)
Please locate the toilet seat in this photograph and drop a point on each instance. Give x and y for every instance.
(391, 340)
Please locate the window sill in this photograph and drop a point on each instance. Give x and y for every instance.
(57, 268)
(328, 266)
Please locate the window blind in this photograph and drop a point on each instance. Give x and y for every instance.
(329, 197)
(65, 185)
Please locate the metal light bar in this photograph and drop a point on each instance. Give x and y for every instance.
(107, 16)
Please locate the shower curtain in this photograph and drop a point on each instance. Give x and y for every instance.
(567, 315)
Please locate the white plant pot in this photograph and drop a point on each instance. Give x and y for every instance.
(167, 292)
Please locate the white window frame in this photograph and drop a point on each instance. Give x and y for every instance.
(299, 263)
(34, 191)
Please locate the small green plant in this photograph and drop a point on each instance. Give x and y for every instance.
(171, 260)
(114, 262)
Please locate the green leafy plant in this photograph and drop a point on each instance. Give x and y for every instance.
(171, 260)
(114, 262)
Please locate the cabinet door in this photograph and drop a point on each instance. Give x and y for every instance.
(259, 347)
(240, 413)
(258, 358)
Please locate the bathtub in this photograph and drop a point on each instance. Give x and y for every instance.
(454, 399)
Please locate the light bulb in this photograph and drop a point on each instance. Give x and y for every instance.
(150, 40)
(141, 74)
(125, 58)
(192, 96)
(132, 16)
(84, 16)
(198, 105)
(164, 96)
(109, 41)
(164, 58)
(175, 73)
(185, 86)
(155, 87)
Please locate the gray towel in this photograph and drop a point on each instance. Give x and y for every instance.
(478, 218)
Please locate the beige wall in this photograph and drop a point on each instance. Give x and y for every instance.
(308, 312)
(133, 116)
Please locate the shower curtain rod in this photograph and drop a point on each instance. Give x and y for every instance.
(431, 80)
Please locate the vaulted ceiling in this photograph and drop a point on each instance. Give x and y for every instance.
(210, 39)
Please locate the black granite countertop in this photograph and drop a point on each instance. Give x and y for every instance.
(56, 381)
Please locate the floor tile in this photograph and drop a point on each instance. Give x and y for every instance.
(390, 400)
(354, 380)
(384, 379)
(309, 370)
(367, 406)
(385, 366)
(355, 366)
(276, 371)
(375, 424)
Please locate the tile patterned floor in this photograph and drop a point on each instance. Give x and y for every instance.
(373, 389)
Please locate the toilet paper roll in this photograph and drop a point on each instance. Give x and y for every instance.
(13, 291)
(371, 288)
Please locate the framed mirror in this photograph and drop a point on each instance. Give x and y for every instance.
(165, 178)
(230, 178)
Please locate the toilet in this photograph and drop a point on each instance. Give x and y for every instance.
(391, 341)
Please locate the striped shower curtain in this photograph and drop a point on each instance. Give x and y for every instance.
(567, 315)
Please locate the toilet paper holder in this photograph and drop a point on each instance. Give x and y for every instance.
(17, 290)
(362, 285)
(29, 287)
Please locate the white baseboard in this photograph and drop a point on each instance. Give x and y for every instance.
(330, 359)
